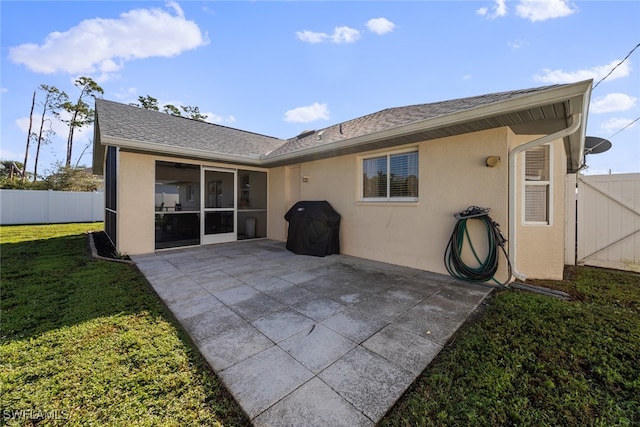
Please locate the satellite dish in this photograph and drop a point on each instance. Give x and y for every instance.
(596, 145)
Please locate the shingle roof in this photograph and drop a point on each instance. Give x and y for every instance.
(138, 124)
(152, 127)
(394, 117)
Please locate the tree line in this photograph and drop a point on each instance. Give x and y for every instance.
(76, 113)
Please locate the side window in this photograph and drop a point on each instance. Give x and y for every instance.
(390, 177)
(537, 185)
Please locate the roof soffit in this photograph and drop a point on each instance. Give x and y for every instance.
(548, 107)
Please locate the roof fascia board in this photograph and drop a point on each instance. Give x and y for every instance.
(99, 150)
(178, 151)
(577, 162)
(549, 96)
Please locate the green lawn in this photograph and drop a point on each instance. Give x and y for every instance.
(532, 360)
(86, 341)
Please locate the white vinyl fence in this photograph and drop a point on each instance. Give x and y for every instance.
(48, 206)
(609, 221)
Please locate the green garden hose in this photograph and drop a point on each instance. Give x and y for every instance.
(487, 268)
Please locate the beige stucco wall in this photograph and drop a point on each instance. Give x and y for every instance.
(135, 205)
(136, 199)
(277, 204)
(452, 177)
(540, 248)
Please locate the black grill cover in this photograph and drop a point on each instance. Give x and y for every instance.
(314, 229)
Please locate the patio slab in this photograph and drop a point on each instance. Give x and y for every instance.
(302, 340)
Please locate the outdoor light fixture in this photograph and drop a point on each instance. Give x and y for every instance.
(492, 161)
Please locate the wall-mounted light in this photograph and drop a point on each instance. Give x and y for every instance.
(492, 161)
(305, 178)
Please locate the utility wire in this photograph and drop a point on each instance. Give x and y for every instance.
(602, 79)
(603, 140)
(637, 118)
(619, 64)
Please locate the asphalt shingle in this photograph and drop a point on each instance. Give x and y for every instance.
(138, 124)
(134, 123)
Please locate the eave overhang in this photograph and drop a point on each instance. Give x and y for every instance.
(552, 107)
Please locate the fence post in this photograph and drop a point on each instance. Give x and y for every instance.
(570, 218)
(50, 196)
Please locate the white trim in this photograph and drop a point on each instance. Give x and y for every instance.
(206, 239)
(385, 200)
(199, 155)
(524, 101)
(533, 183)
(576, 123)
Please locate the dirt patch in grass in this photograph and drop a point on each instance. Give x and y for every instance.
(105, 248)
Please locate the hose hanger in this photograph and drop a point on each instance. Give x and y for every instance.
(487, 267)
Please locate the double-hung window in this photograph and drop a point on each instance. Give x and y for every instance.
(390, 177)
(537, 185)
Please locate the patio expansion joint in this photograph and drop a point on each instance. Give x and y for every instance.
(381, 333)
(301, 386)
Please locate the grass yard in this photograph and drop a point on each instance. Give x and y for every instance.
(85, 342)
(532, 360)
(88, 343)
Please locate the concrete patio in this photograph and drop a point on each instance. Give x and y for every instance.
(307, 341)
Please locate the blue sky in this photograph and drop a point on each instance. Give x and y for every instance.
(279, 68)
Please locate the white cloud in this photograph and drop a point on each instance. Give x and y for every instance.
(82, 136)
(498, 10)
(615, 124)
(4, 90)
(11, 155)
(311, 37)
(307, 114)
(533, 10)
(102, 45)
(380, 26)
(537, 10)
(517, 44)
(466, 77)
(211, 116)
(126, 93)
(345, 35)
(612, 102)
(340, 35)
(595, 73)
(216, 119)
(61, 129)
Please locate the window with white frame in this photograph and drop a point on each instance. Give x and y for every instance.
(191, 193)
(537, 185)
(390, 177)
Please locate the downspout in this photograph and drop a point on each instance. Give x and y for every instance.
(575, 124)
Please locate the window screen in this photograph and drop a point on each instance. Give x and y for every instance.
(537, 185)
(375, 177)
(537, 164)
(393, 176)
(536, 203)
(404, 175)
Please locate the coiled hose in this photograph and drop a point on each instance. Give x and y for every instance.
(488, 267)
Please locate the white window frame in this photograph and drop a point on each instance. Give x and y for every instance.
(538, 183)
(191, 192)
(388, 155)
